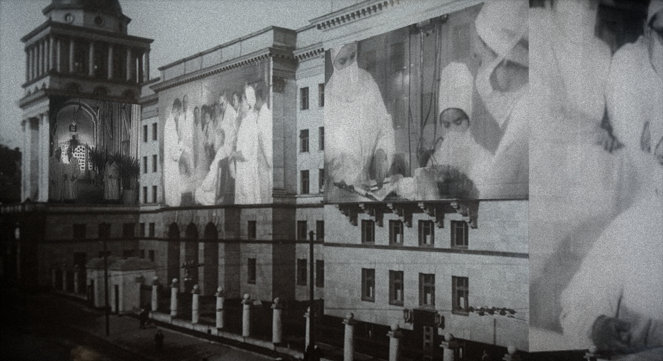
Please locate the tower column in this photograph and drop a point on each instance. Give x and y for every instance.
(90, 70)
(110, 61)
(27, 65)
(72, 45)
(49, 57)
(147, 65)
(58, 55)
(130, 64)
(44, 145)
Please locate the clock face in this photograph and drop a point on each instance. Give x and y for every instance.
(99, 20)
(69, 18)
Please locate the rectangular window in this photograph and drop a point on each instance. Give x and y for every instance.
(426, 235)
(396, 288)
(145, 133)
(304, 180)
(426, 289)
(396, 232)
(320, 230)
(154, 131)
(152, 228)
(368, 284)
(154, 194)
(251, 272)
(301, 272)
(104, 230)
(142, 230)
(367, 231)
(321, 179)
(460, 292)
(79, 231)
(303, 98)
(128, 253)
(321, 138)
(144, 164)
(319, 273)
(303, 140)
(252, 229)
(128, 230)
(154, 163)
(321, 95)
(302, 229)
(151, 255)
(144, 194)
(459, 234)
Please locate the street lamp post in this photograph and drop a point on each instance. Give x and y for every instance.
(106, 307)
(311, 346)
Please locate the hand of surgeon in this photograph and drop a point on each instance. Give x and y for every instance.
(611, 334)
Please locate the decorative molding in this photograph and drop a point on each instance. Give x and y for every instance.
(353, 14)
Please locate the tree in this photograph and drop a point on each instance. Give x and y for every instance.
(10, 174)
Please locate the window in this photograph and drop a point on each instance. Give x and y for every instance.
(303, 140)
(304, 178)
(459, 234)
(396, 288)
(144, 133)
(128, 230)
(252, 229)
(142, 229)
(301, 272)
(154, 194)
(321, 179)
(320, 230)
(151, 255)
(79, 231)
(368, 284)
(367, 231)
(144, 194)
(460, 291)
(321, 95)
(303, 98)
(152, 230)
(128, 253)
(144, 164)
(302, 229)
(396, 232)
(154, 131)
(251, 272)
(319, 273)
(426, 235)
(426, 289)
(154, 163)
(104, 230)
(321, 138)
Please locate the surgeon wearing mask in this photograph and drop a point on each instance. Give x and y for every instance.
(359, 132)
(502, 83)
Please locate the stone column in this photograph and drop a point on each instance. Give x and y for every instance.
(90, 70)
(49, 59)
(155, 294)
(511, 354)
(147, 66)
(395, 336)
(174, 289)
(219, 307)
(58, 55)
(64, 277)
(277, 324)
(44, 155)
(110, 61)
(449, 346)
(246, 315)
(72, 45)
(349, 339)
(25, 163)
(195, 304)
(129, 64)
(77, 271)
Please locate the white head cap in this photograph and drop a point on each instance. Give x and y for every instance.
(456, 88)
(654, 7)
(501, 24)
(250, 96)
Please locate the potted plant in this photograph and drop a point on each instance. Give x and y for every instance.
(129, 172)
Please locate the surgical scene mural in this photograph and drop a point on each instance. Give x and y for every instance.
(432, 114)
(217, 146)
(92, 159)
(596, 208)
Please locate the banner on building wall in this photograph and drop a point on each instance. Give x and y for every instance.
(217, 139)
(415, 114)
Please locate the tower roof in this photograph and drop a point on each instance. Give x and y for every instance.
(111, 7)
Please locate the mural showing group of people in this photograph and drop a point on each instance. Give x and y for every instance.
(219, 152)
(367, 155)
(64, 171)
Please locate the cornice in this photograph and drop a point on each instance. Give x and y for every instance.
(354, 13)
(309, 52)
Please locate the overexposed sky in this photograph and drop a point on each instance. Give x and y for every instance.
(179, 28)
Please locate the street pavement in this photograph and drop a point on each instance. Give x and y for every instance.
(62, 318)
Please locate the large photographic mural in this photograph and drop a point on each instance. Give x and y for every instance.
(437, 113)
(217, 143)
